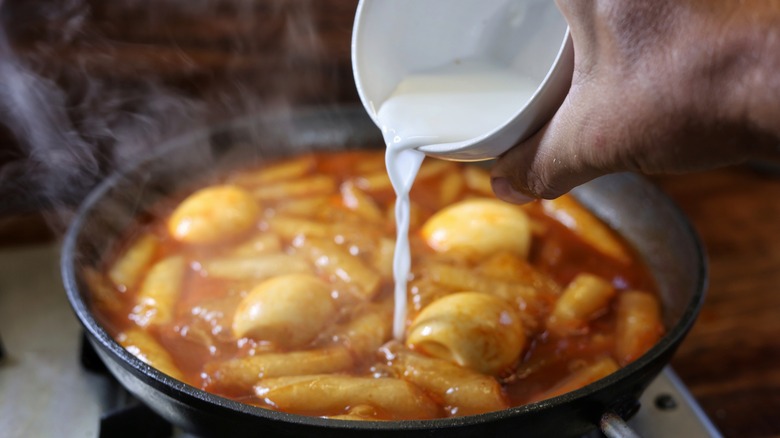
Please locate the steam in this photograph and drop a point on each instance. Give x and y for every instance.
(82, 96)
(34, 110)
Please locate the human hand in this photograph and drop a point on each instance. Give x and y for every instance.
(659, 86)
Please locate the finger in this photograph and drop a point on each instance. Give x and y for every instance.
(552, 162)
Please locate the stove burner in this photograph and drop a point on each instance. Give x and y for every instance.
(130, 418)
(134, 421)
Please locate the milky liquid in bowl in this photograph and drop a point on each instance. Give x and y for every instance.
(458, 102)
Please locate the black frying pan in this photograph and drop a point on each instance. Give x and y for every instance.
(646, 218)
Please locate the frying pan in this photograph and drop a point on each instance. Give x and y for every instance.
(629, 203)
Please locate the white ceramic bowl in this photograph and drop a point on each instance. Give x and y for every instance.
(394, 38)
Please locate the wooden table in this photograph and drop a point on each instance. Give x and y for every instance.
(212, 60)
(731, 359)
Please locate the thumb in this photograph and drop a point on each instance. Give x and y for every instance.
(551, 162)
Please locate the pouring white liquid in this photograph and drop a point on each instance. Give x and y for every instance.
(456, 103)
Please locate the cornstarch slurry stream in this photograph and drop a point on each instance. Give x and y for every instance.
(455, 103)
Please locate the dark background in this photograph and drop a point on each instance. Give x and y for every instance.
(119, 76)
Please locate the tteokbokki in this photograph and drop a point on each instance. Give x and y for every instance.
(274, 287)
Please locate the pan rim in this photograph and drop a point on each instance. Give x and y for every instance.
(177, 389)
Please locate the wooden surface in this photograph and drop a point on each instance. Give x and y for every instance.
(731, 359)
(214, 59)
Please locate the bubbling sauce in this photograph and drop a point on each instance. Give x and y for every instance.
(274, 287)
(451, 104)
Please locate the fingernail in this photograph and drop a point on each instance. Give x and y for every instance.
(504, 190)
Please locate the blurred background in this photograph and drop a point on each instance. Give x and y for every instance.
(88, 86)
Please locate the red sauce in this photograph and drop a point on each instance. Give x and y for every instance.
(200, 330)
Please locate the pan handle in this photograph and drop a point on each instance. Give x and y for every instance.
(613, 426)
